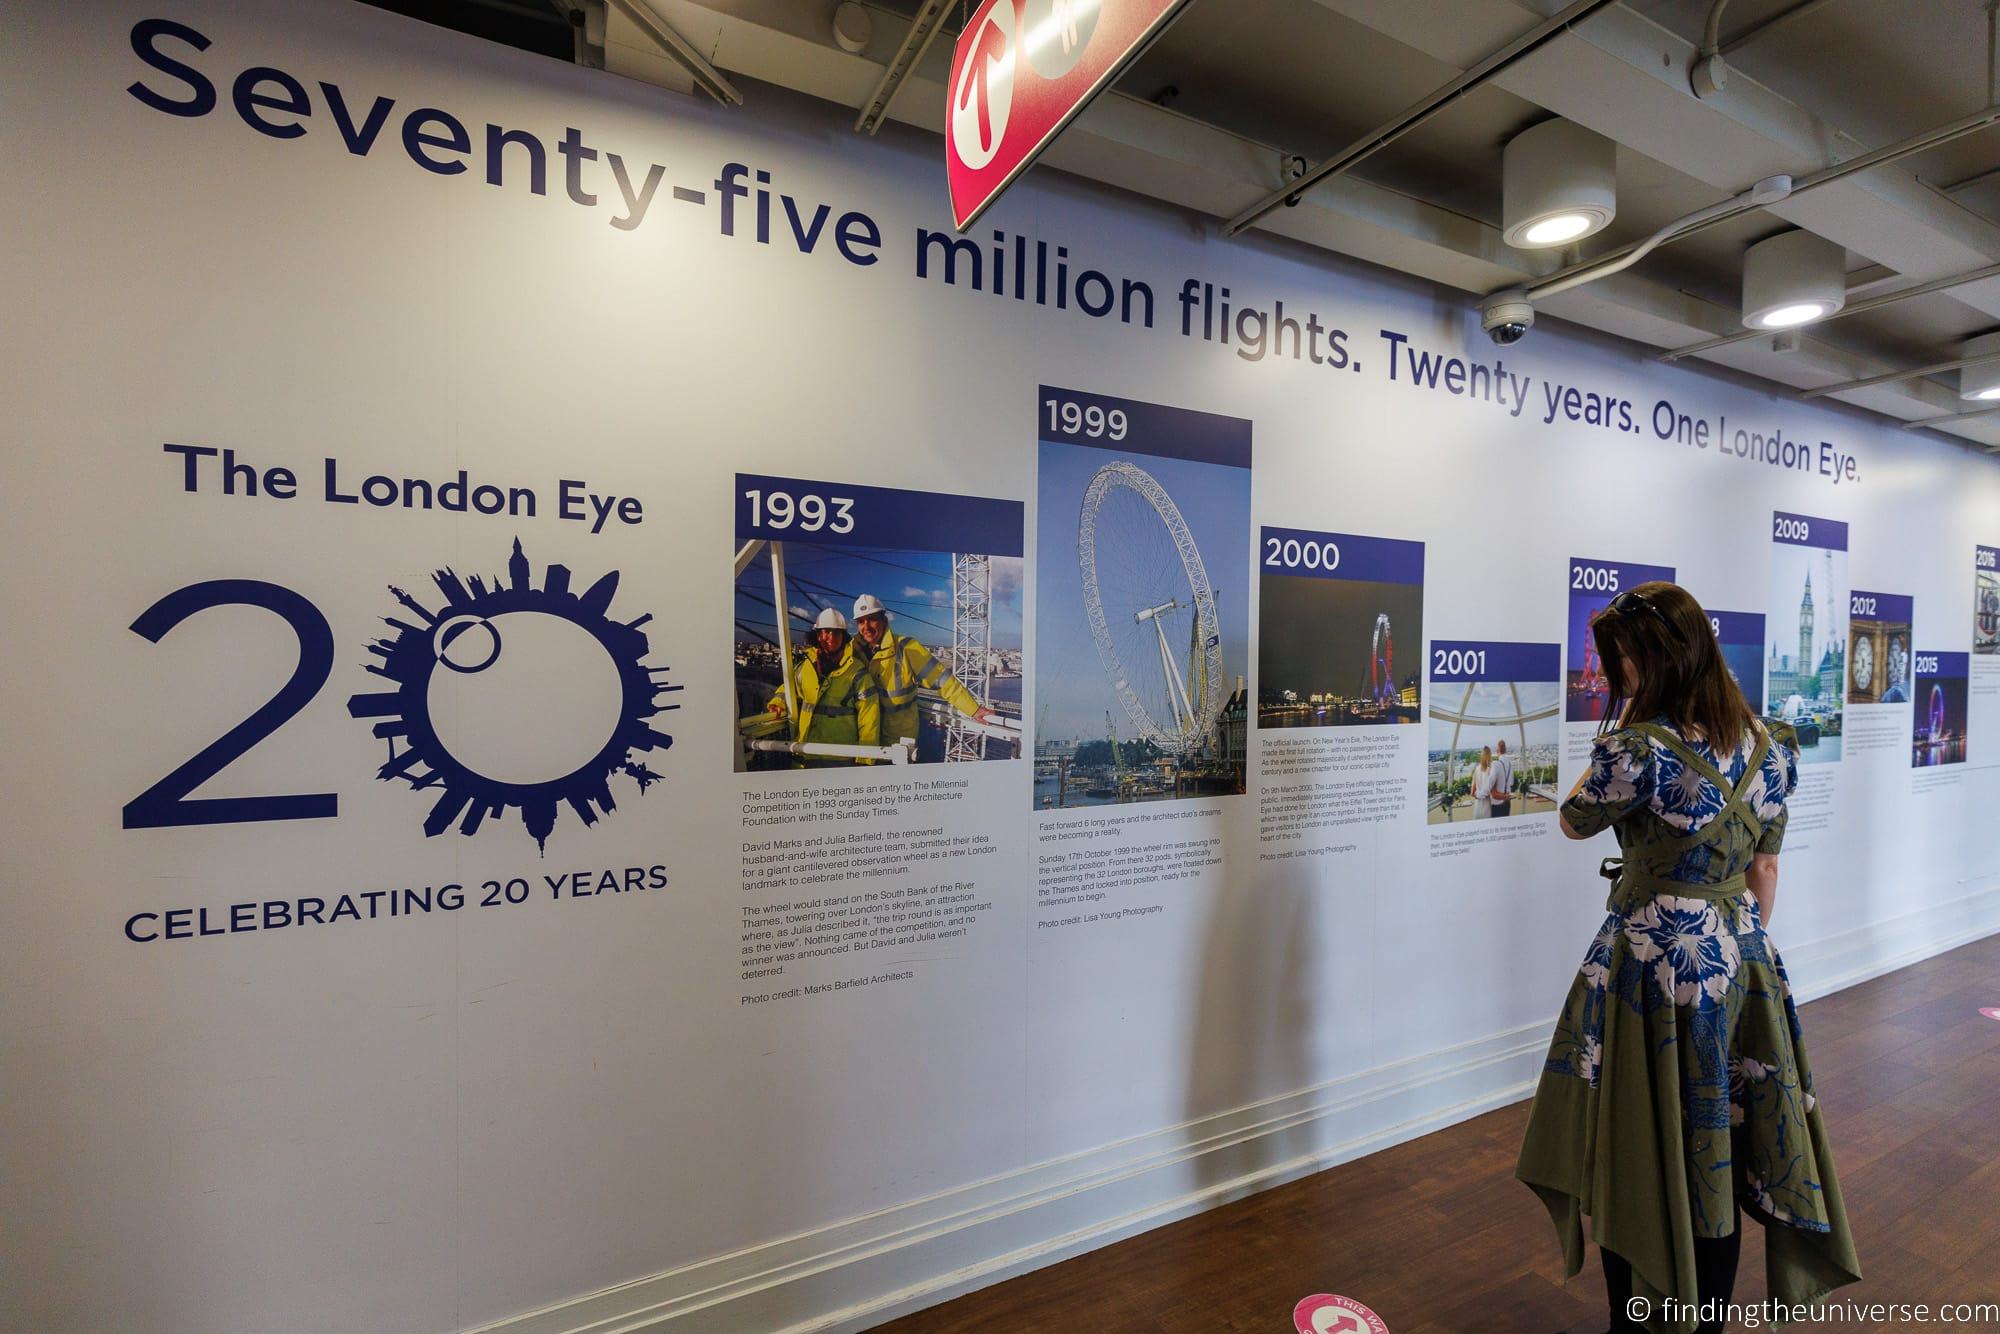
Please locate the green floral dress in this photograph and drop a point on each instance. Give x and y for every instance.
(1677, 1077)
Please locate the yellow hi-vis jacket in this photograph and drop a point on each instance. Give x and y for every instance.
(844, 707)
(902, 667)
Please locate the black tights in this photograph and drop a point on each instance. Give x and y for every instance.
(1715, 1279)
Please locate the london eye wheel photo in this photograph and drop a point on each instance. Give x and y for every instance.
(1150, 608)
(1142, 607)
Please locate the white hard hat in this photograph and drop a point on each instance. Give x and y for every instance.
(869, 605)
(831, 619)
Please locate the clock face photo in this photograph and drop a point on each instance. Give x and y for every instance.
(1864, 663)
(1899, 661)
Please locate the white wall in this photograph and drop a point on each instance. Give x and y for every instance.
(445, 1121)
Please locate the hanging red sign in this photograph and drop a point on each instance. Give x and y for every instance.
(1021, 71)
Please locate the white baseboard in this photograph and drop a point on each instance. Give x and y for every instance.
(1834, 963)
(861, 1272)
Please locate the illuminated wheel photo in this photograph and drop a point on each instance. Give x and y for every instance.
(1150, 607)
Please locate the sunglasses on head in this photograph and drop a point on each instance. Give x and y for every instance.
(1633, 600)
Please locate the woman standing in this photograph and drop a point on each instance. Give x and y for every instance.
(1676, 1095)
(1482, 785)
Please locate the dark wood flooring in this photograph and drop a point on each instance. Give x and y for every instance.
(1439, 1238)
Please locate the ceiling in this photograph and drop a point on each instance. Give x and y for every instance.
(1208, 118)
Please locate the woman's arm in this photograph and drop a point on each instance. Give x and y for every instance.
(1562, 817)
(1762, 876)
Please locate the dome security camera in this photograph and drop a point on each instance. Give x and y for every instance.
(1507, 316)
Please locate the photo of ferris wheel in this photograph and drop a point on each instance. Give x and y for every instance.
(1141, 626)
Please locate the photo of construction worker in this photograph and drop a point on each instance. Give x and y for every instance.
(831, 698)
(853, 654)
(902, 667)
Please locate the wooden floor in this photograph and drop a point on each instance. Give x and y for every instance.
(1439, 1238)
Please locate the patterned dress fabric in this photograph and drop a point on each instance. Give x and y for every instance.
(1677, 1077)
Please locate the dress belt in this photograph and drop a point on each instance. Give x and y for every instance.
(1632, 885)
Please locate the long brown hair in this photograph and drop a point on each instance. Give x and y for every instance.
(1663, 632)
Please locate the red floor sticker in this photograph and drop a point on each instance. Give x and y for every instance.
(1325, 1313)
(1992, 1013)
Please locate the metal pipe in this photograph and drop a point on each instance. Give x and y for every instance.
(1970, 181)
(706, 76)
(1913, 373)
(1711, 30)
(1419, 112)
(1604, 265)
(1851, 308)
(1769, 25)
(925, 25)
(1767, 191)
(1938, 423)
(899, 752)
(783, 609)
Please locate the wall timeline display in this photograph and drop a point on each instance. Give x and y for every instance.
(1142, 601)
(1878, 647)
(1592, 585)
(1806, 668)
(874, 626)
(1740, 636)
(384, 824)
(1986, 601)
(1331, 608)
(1495, 723)
(1940, 696)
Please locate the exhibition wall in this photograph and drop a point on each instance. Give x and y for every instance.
(424, 908)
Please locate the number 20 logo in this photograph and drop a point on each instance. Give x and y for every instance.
(466, 636)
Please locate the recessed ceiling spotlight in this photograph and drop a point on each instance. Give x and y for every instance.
(1559, 183)
(1784, 317)
(1554, 231)
(1792, 278)
(1981, 384)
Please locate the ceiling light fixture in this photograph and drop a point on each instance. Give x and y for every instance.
(1792, 278)
(1981, 384)
(1559, 183)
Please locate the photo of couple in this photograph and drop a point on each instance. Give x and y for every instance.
(1493, 782)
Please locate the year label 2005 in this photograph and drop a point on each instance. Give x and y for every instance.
(810, 513)
(1594, 578)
